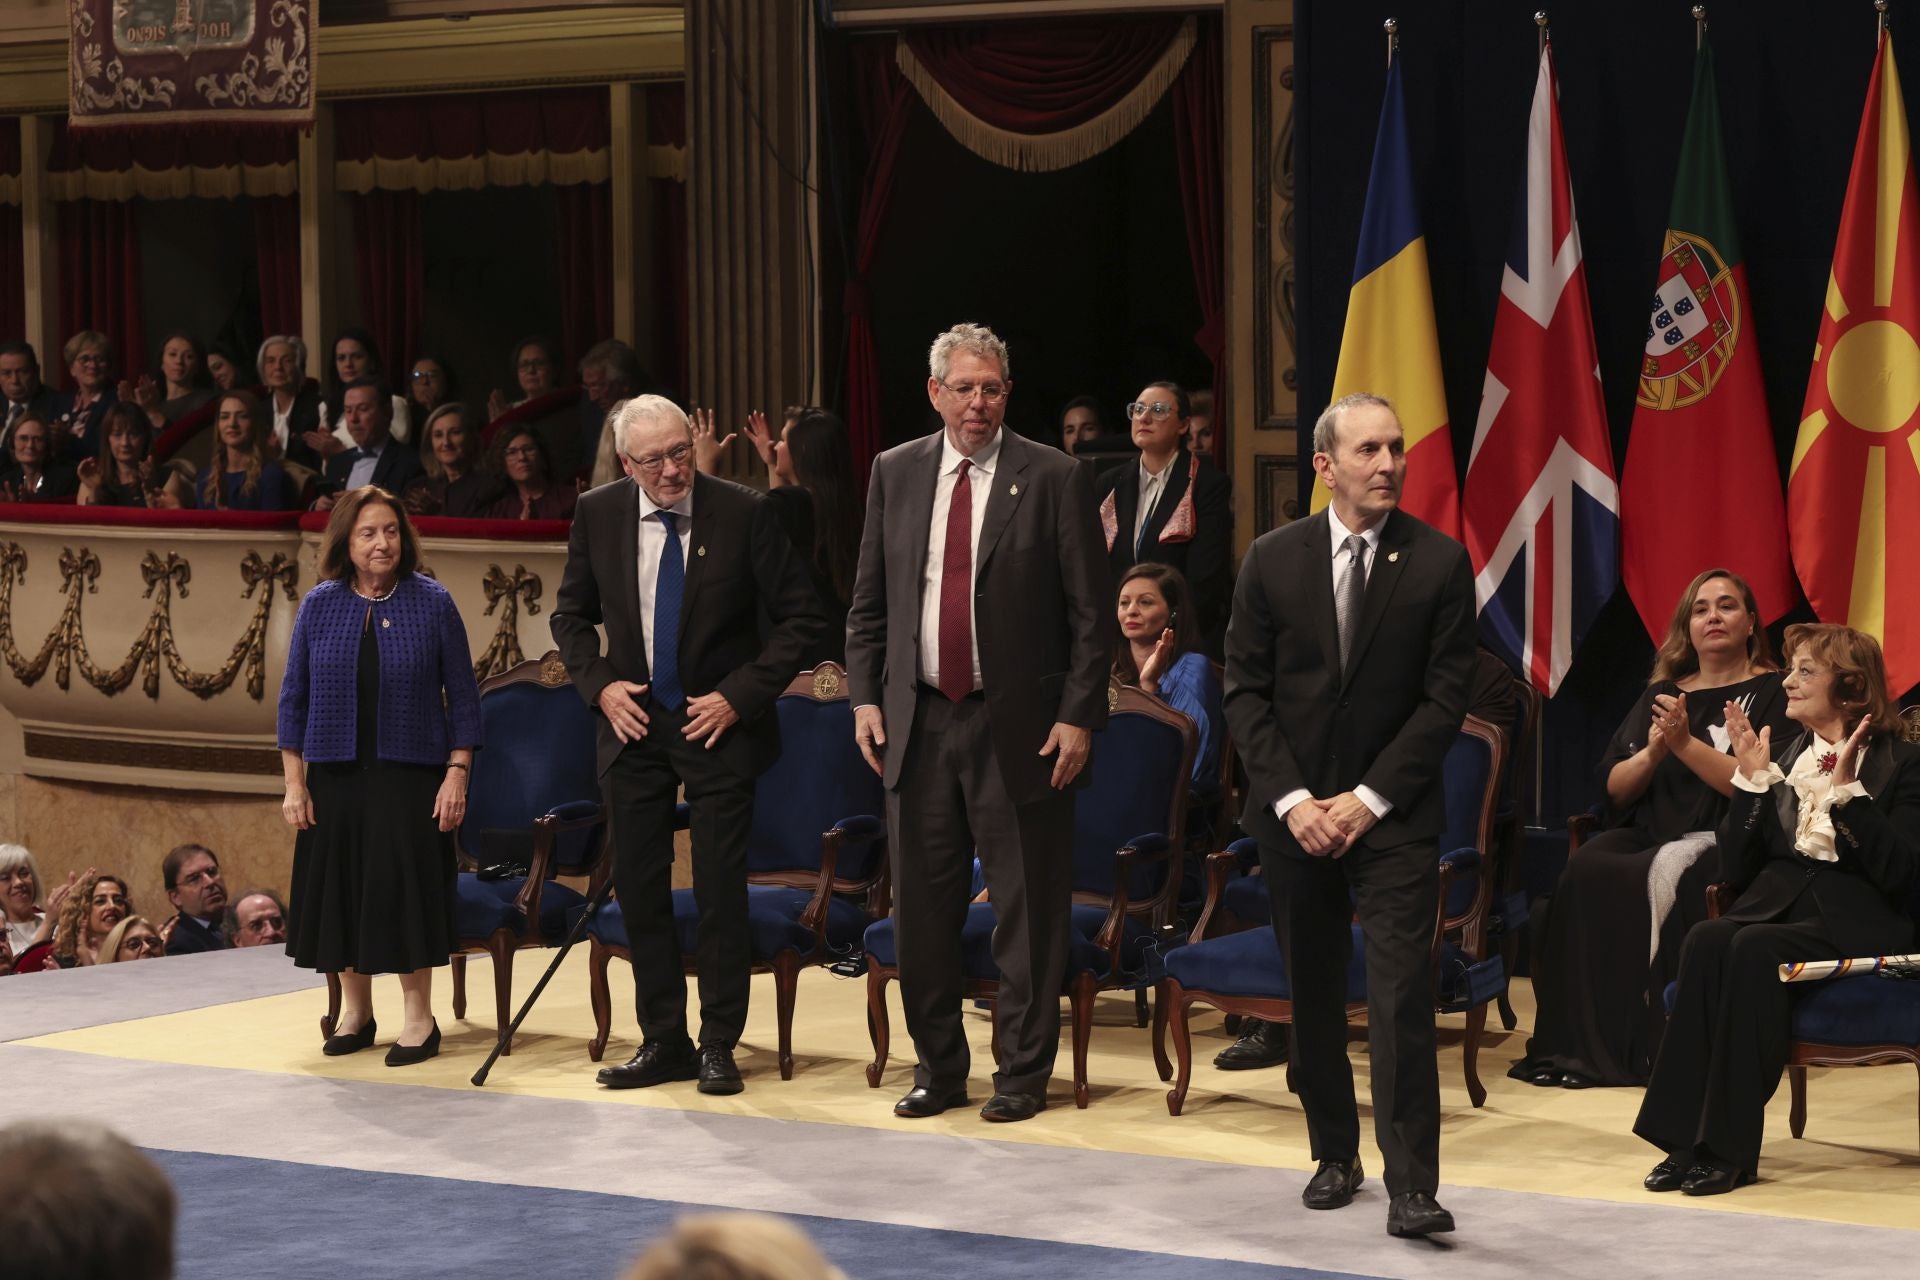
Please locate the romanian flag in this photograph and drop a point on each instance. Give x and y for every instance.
(1391, 347)
(1853, 495)
(1702, 409)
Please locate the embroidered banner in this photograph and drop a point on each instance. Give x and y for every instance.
(193, 62)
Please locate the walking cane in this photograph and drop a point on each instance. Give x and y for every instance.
(579, 927)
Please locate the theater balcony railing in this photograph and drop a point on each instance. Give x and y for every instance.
(146, 648)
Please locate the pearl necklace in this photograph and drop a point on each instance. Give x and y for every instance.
(381, 599)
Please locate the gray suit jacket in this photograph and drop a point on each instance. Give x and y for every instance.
(1043, 603)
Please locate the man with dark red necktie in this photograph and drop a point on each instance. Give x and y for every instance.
(978, 644)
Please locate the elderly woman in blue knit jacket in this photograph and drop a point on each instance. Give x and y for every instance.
(379, 718)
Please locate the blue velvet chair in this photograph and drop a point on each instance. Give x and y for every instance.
(1128, 826)
(816, 858)
(533, 813)
(1233, 963)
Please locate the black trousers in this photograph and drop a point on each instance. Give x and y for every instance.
(1396, 892)
(1727, 1041)
(951, 804)
(642, 789)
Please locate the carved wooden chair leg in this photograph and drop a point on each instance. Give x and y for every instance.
(1179, 1006)
(459, 965)
(786, 985)
(877, 1026)
(1082, 1004)
(332, 1017)
(1797, 1114)
(1476, 1024)
(598, 957)
(1160, 1062)
(501, 947)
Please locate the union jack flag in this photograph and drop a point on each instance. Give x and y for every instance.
(1541, 509)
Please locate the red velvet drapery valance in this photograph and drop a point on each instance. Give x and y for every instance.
(463, 141)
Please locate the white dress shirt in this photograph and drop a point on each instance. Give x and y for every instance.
(980, 483)
(1339, 534)
(1151, 487)
(281, 431)
(1813, 830)
(652, 545)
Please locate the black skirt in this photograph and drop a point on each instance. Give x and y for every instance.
(373, 878)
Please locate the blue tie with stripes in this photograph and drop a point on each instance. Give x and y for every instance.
(668, 589)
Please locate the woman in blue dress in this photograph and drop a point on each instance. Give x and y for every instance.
(1160, 653)
(241, 477)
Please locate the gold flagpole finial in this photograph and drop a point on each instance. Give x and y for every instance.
(1879, 19)
(1392, 27)
(1540, 21)
(1699, 26)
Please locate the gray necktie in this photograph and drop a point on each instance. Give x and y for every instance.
(1350, 596)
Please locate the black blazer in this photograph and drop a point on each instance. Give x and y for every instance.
(1206, 560)
(303, 416)
(189, 937)
(747, 616)
(57, 481)
(1861, 900)
(398, 467)
(1043, 603)
(1388, 725)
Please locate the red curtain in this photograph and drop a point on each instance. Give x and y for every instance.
(100, 281)
(585, 243)
(392, 265)
(456, 125)
(112, 150)
(276, 243)
(881, 105)
(1197, 142)
(1042, 77)
(667, 309)
(13, 275)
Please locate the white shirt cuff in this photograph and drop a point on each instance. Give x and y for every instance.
(1287, 801)
(1379, 804)
(1855, 790)
(1770, 775)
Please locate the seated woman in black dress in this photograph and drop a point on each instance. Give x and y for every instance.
(33, 475)
(456, 484)
(241, 477)
(531, 491)
(125, 471)
(183, 385)
(1822, 843)
(1629, 895)
(379, 719)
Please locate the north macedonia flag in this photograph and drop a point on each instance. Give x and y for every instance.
(1853, 494)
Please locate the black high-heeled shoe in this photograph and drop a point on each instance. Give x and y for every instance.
(405, 1055)
(352, 1042)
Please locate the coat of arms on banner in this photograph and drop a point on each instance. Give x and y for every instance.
(191, 62)
(1694, 325)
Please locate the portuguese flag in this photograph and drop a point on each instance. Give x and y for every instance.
(1853, 495)
(1701, 488)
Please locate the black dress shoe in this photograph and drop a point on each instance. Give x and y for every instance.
(352, 1042)
(922, 1102)
(1669, 1175)
(405, 1055)
(1003, 1108)
(653, 1064)
(1261, 1044)
(1333, 1184)
(1713, 1180)
(717, 1072)
(1417, 1213)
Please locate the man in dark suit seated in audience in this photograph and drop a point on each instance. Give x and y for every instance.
(194, 885)
(23, 392)
(257, 918)
(376, 458)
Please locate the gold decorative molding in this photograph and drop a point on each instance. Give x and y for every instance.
(506, 592)
(65, 647)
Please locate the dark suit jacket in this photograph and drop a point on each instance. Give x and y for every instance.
(747, 615)
(1206, 560)
(399, 466)
(58, 482)
(190, 937)
(1043, 603)
(39, 404)
(1388, 724)
(302, 417)
(1861, 900)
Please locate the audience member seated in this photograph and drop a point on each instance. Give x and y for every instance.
(183, 367)
(609, 373)
(533, 492)
(223, 367)
(258, 918)
(1821, 842)
(33, 476)
(28, 925)
(356, 358)
(1615, 923)
(198, 892)
(124, 473)
(1159, 653)
(242, 475)
(375, 458)
(24, 393)
(86, 916)
(1081, 422)
(455, 483)
(536, 372)
(134, 938)
(429, 387)
(1200, 423)
(76, 413)
(733, 1246)
(78, 1200)
(6, 953)
(296, 406)
(1166, 509)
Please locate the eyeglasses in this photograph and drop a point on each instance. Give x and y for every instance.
(526, 451)
(1158, 409)
(535, 362)
(143, 945)
(652, 463)
(91, 360)
(991, 392)
(418, 374)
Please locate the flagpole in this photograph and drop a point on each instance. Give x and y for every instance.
(1392, 27)
(1540, 21)
(1699, 27)
(1879, 20)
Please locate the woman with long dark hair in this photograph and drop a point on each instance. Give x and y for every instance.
(1159, 652)
(531, 491)
(356, 356)
(182, 387)
(124, 474)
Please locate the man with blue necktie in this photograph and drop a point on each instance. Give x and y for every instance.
(707, 610)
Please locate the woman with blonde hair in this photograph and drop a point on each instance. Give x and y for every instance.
(241, 476)
(734, 1246)
(134, 938)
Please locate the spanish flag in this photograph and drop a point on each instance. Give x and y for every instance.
(1391, 347)
(1853, 493)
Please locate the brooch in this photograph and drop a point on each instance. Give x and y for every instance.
(386, 622)
(1827, 762)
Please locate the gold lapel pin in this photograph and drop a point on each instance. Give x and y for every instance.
(386, 622)
(1392, 556)
(1013, 491)
(699, 551)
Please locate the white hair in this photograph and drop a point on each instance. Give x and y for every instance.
(1328, 422)
(299, 354)
(16, 855)
(646, 409)
(970, 339)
